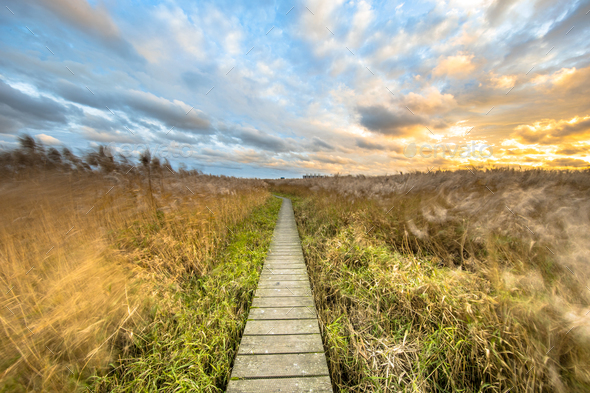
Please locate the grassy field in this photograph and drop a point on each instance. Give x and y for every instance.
(193, 336)
(125, 277)
(109, 267)
(472, 281)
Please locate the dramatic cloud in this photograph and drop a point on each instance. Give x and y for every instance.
(19, 110)
(278, 88)
(93, 22)
(554, 132)
(380, 119)
(570, 162)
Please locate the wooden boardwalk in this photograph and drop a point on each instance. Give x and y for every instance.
(281, 349)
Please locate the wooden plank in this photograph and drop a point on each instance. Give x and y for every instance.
(281, 313)
(273, 344)
(290, 246)
(285, 256)
(282, 365)
(276, 274)
(282, 385)
(282, 272)
(284, 268)
(287, 245)
(283, 284)
(291, 301)
(285, 260)
(296, 326)
(266, 275)
(285, 265)
(278, 292)
(296, 257)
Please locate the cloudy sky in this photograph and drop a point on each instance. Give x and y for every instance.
(270, 89)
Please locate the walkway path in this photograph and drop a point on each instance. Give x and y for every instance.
(281, 349)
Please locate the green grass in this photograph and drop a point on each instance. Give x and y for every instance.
(196, 326)
(395, 319)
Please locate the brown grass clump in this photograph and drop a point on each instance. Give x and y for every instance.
(84, 240)
(470, 280)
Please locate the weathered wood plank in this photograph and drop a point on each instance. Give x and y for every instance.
(284, 277)
(293, 256)
(291, 301)
(274, 344)
(296, 326)
(278, 292)
(288, 385)
(281, 272)
(295, 244)
(284, 270)
(284, 265)
(283, 365)
(283, 284)
(281, 313)
(288, 258)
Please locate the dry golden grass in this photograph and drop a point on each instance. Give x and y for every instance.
(434, 282)
(80, 250)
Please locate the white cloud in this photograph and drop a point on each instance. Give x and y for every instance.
(48, 140)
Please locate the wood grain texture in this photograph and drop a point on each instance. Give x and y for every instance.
(281, 365)
(282, 313)
(282, 385)
(276, 344)
(272, 327)
(283, 301)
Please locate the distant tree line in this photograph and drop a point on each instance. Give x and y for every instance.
(32, 156)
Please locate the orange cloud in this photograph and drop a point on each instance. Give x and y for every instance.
(568, 162)
(562, 78)
(457, 66)
(503, 82)
(430, 101)
(548, 132)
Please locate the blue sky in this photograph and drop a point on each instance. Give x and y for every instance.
(286, 88)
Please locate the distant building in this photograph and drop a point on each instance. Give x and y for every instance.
(312, 176)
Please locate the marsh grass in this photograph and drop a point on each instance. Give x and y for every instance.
(91, 247)
(427, 282)
(195, 329)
